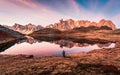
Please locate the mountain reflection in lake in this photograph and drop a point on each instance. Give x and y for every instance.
(51, 48)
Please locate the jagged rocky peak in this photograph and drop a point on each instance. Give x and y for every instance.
(18, 26)
(70, 24)
(108, 23)
(38, 27)
(30, 26)
(25, 29)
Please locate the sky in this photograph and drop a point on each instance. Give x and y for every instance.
(45, 12)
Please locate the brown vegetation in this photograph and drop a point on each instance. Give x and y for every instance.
(5, 37)
(103, 33)
(26, 65)
(4, 34)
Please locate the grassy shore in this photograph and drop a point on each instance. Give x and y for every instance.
(96, 62)
(100, 35)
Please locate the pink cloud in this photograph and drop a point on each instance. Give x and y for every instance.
(75, 5)
(110, 4)
(93, 5)
(116, 20)
(30, 3)
(17, 11)
(24, 3)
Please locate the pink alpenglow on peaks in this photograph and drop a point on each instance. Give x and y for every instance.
(42, 12)
(70, 24)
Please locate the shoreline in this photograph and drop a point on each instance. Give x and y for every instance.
(104, 61)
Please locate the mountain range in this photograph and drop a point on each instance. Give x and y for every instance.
(62, 25)
(71, 24)
(25, 29)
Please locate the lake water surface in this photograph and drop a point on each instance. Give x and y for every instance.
(51, 48)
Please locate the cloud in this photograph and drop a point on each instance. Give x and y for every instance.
(17, 11)
(79, 12)
(87, 15)
(75, 5)
(111, 8)
(116, 20)
(34, 11)
(93, 4)
(30, 3)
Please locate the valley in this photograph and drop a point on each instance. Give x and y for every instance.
(59, 37)
(88, 50)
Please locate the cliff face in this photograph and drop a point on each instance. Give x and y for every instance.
(70, 24)
(7, 35)
(11, 32)
(27, 29)
(4, 34)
